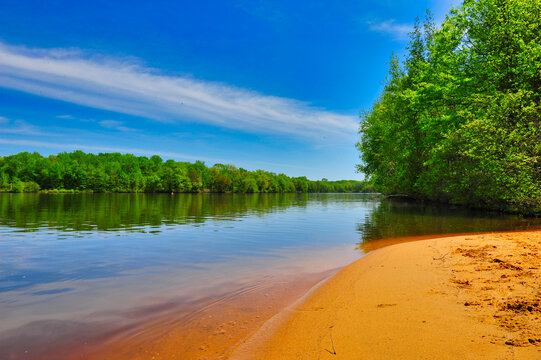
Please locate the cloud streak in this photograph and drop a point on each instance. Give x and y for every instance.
(21, 127)
(115, 125)
(98, 148)
(126, 87)
(390, 27)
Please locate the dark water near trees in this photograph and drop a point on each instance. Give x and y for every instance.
(96, 256)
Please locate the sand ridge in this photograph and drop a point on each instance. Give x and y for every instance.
(464, 297)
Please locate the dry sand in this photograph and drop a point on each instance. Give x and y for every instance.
(464, 297)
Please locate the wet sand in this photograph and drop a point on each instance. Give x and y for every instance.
(463, 297)
(209, 329)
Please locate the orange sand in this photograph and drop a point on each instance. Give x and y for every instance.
(463, 297)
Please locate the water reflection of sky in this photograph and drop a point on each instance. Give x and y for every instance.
(180, 257)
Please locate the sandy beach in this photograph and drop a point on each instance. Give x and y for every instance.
(463, 297)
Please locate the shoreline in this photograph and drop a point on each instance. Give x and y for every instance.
(248, 320)
(209, 329)
(216, 330)
(467, 296)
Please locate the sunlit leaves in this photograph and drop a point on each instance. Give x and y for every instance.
(460, 120)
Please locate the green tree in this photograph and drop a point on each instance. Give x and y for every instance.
(459, 121)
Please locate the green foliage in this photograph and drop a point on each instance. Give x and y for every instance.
(114, 172)
(30, 186)
(459, 121)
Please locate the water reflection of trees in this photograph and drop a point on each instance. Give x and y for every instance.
(386, 219)
(129, 211)
(392, 219)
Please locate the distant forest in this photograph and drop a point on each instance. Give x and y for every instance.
(115, 172)
(459, 120)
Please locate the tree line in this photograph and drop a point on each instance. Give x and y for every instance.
(115, 172)
(459, 119)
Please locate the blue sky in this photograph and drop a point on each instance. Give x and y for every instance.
(276, 85)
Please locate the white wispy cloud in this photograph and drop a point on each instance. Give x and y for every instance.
(390, 27)
(68, 117)
(115, 125)
(99, 148)
(21, 127)
(127, 87)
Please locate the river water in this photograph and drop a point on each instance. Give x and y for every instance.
(78, 269)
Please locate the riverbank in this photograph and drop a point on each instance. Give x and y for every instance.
(463, 297)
